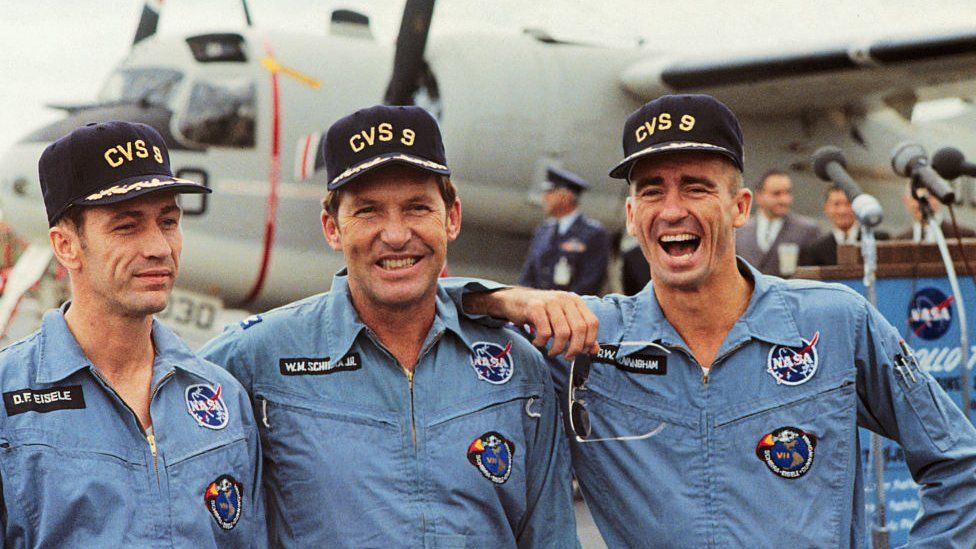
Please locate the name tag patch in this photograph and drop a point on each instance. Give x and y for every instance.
(637, 363)
(318, 366)
(70, 397)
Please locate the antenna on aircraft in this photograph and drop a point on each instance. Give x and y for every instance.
(408, 62)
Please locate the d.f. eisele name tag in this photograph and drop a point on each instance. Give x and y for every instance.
(318, 366)
(70, 397)
(636, 363)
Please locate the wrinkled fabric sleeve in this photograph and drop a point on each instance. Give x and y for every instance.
(898, 400)
(550, 520)
(458, 287)
(224, 352)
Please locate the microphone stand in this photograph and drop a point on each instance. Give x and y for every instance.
(936, 229)
(879, 530)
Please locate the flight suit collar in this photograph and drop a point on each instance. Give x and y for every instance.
(342, 322)
(767, 318)
(61, 355)
(344, 325)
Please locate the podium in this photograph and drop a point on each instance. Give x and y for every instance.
(915, 297)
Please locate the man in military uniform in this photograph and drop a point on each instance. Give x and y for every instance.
(113, 432)
(724, 405)
(569, 251)
(388, 421)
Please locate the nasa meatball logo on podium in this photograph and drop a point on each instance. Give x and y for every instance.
(930, 313)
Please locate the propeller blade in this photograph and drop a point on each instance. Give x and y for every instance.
(408, 62)
(149, 20)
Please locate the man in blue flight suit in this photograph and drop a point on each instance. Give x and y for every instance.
(388, 421)
(569, 251)
(112, 431)
(722, 408)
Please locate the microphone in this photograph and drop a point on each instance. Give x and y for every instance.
(950, 163)
(910, 160)
(829, 165)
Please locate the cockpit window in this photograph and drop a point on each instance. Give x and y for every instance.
(220, 113)
(154, 86)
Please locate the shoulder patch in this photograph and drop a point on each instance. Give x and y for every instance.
(250, 321)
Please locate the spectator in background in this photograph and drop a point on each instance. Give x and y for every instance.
(635, 272)
(920, 233)
(844, 230)
(775, 235)
(569, 251)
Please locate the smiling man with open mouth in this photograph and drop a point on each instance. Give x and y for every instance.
(388, 420)
(723, 405)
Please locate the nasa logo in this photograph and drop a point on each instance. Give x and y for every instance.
(930, 313)
(224, 499)
(787, 451)
(492, 362)
(492, 454)
(250, 321)
(794, 365)
(205, 404)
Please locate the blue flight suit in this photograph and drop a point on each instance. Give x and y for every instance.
(764, 450)
(78, 470)
(586, 247)
(466, 451)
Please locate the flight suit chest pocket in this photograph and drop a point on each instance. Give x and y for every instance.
(772, 453)
(314, 448)
(211, 479)
(476, 452)
(65, 480)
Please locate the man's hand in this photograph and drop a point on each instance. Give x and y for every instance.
(560, 316)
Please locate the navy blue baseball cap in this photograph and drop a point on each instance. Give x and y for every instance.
(560, 178)
(673, 123)
(380, 136)
(106, 163)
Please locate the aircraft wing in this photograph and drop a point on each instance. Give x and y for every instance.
(828, 77)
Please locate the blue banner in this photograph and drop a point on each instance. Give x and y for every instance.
(925, 312)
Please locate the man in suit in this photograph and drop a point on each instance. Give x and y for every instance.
(919, 232)
(775, 230)
(569, 251)
(844, 230)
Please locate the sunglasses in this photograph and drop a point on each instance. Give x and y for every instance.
(579, 417)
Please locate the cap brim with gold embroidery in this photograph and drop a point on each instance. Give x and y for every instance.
(676, 123)
(380, 136)
(105, 163)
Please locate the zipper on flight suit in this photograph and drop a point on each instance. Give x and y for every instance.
(151, 439)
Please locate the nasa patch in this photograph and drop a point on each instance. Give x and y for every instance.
(205, 404)
(794, 365)
(930, 313)
(492, 362)
(787, 451)
(224, 498)
(492, 454)
(250, 321)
